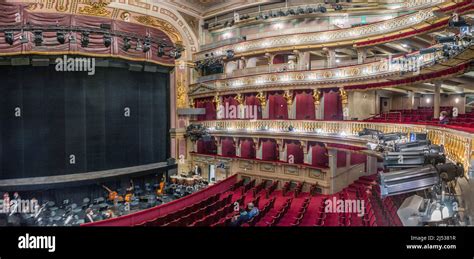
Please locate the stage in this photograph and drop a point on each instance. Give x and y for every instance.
(68, 180)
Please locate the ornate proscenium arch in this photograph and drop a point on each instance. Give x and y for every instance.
(133, 11)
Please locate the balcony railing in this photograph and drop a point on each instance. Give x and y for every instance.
(458, 144)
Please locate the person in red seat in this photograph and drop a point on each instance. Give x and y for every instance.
(443, 118)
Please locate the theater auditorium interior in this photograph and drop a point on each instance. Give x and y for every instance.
(236, 113)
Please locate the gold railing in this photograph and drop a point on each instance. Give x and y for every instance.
(458, 144)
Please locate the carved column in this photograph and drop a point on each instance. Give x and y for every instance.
(241, 111)
(332, 153)
(345, 103)
(317, 102)
(219, 145)
(256, 142)
(237, 147)
(262, 98)
(361, 55)
(288, 95)
(437, 99)
(281, 150)
(304, 146)
(217, 100)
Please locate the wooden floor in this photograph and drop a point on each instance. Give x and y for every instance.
(65, 180)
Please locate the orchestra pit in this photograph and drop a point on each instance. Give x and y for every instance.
(236, 113)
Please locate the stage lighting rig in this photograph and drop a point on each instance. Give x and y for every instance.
(161, 50)
(9, 38)
(175, 53)
(61, 37)
(38, 37)
(139, 46)
(126, 44)
(147, 44)
(107, 40)
(230, 53)
(85, 39)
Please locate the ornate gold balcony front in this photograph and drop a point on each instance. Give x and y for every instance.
(458, 144)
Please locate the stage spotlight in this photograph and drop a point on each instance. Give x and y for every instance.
(322, 9)
(85, 39)
(175, 53)
(107, 40)
(428, 51)
(147, 44)
(291, 11)
(61, 37)
(300, 10)
(161, 50)
(139, 45)
(447, 39)
(309, 10)
(23, 38)
(338, 7)
(281, 13)
(9, 38)
(38, 37)
(230, 54)
(126, 44)
(72, 38)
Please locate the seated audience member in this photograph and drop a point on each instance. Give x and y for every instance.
(443, 118)
(252, 211)
(89, 216)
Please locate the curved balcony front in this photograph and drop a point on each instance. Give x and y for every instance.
(397, 28)
(458, 144)
(384, 73)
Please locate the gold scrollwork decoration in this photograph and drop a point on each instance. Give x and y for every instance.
(95, 9)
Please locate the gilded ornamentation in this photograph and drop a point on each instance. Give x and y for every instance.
(180, 95)
(191, 102)
(217, 100)
(344, 97)
(288, 95)
(239, 98)
(95, 8)
(316, 96)
(162, 25)
(262, 98)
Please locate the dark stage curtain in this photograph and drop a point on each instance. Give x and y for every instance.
(71, 113)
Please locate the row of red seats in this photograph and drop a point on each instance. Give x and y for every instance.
(182, 212)
(196, 216)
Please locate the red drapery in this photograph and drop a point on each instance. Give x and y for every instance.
(207, 147)
(278, 108)
(305, 107)
(358, 158)
(269, 151)
(96, 46)
(296, 151)
(228, 148)
(247, 149)
(320, 156)
(251, 101)
(332, 106)
(210, 109)
(341, 159)
(231, 108)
